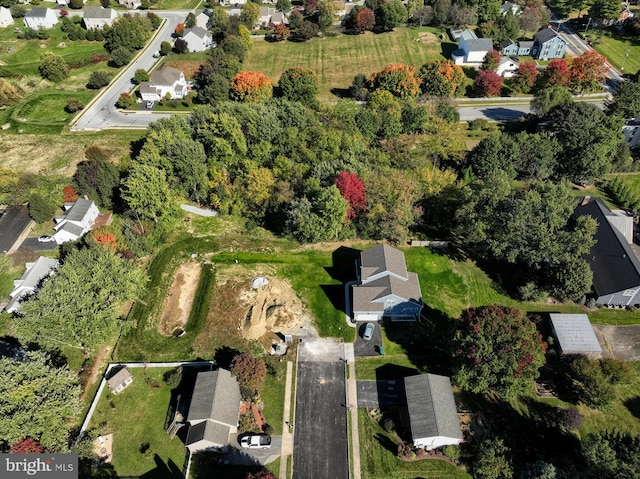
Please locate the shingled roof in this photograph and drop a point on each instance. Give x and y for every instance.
(545, 35)
(382, 258)
(216, 396)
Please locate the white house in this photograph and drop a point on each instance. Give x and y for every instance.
(507, 67)
(40, 18)
(35, 273)
(77, 219)
(98, 17)
(166, 80)
(5, 17)
(198, 39)
(433, 418)
(269, 16)
(471, 49)
(131, 3)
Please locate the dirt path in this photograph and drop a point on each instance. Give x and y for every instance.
(99, 362)
(177, 306)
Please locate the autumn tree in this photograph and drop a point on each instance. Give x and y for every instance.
(442, 79)
(352, 189)
(525, 77)
(300, 84)
(69, 194)
(398, 79)
(491, 60)
(179, 30)
(250, 372)
(556, 74)
(364, 19)
(497, 348)
(126, 101)
(587, 72)
(251, 86)
(488, 83)
(28, 445)
(281, 32)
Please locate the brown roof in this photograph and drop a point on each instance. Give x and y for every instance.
(166, 76)
(118, 378)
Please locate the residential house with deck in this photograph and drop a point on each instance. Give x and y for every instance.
(97, 17)
(471, 49)
(198, 39)
(76, 220)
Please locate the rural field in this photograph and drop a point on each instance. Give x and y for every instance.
(338, 59)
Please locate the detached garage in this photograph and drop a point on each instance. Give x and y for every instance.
(575, 335)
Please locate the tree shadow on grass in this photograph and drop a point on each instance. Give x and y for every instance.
(387, 443)
(633, 405)
(163, 471)
(224, 355)
(341, 92)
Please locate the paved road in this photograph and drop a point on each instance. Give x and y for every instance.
(102, 113)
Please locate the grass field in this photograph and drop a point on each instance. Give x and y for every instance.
(616, 48)
(137, 416)
(338, 59)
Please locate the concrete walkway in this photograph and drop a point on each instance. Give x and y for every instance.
(352, 403)
(287, 437)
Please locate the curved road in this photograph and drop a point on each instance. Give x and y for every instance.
(102, 112)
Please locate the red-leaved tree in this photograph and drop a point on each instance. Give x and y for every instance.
(28, 445)
(69, 194)
(179, 31)
(251, 86)
(587, 71)
(365, 19)
(250, 372)
(281, 32)
(525, 77)
(488, 83)
(260, 475)
(556, 74)
(352, 189)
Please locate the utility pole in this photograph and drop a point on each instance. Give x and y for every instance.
(624, 59)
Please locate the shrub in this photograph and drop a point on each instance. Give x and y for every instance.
(19, 11)
(452, 452)
(173, 377)
(73, 105)
(99, 57)
(121, 57)
(389, 425)
(126, 101)
(41, 209)
(98, 79)
(53, 67)
(250, 372)
(141, 75)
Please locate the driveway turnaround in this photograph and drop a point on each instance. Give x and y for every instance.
(367, 348)
(320, 447)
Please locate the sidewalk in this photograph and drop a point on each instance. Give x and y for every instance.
(287, 437)
(352, 403)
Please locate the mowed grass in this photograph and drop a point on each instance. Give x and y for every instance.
(616, 47)
(136, 416)
(377, 462)
(338, 59)
(48, 107)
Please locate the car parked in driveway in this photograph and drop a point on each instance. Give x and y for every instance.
(368, 331)
(46, 239)
(256, 441)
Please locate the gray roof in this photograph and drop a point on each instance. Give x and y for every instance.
(146, 88)
(79, 210)
(382, 258)
(480, 45)
(34, 274)
(467, 35)
(614, 264)
(544, 35)
(198, 31)
(431, 407)
(525, 43)
(36, 13)
(166, 76)
(118, 378)
(506, 43)
(214, 432)
(574, 333)
(216, 396)
(364, 296)
(72, 228)
(97, 12)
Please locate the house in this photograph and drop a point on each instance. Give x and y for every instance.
(615, 267)
(133, 4)
(203, 18)
(431, 409)
(77, 219)
(507, 67)
(385, 288)
(40, 18)
(269, 16)
(214, 410)
(98, 17)
(575, 335)
(631, 131)
(455, 33)
(119, 381)
(198, 39)
(547, 45)
(165, 82)
(511, 48)
(30, 281)
(471, 49)
(510, 8)
(5, 17)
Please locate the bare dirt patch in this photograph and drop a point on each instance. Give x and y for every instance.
(177, 307)
(428, 38)
(188, 67)
(619, 342)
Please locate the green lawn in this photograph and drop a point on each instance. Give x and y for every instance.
(377, 462)
(633, 180)
(137, 416)
(177, 4)
(338, 59)
(272, 393)
(47, 107)
(616, 47)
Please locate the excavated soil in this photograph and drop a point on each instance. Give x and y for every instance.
(180, 298)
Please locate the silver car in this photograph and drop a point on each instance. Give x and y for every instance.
(368, 331)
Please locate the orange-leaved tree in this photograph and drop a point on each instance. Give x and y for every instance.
(69, 194)
(587, 71)
(251, 86)
(398, 79)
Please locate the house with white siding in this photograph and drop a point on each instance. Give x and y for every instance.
(35, 273)
(40, 18)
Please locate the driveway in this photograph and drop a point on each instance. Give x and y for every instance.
(619, 342)
(248, 457)
(34, 244)
(13, 223)
(363, 348)
(320, 446)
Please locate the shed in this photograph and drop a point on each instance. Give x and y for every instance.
(120, 380)
(575, 335)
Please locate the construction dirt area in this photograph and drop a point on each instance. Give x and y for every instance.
(249, 304)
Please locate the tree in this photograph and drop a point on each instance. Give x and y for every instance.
(398, 79)
(216, 89)
(327, 13)
(321, 218)
(165, 48)
(283, 6)
(546, 99)
(424, 16)
(442, 79)
(352, 189)
(28, 445)
(53, 67)
(625, 101)
(491, 460)
(69, 194)
(364, 19)
(234, 46)
(300, 84)
(9, 94)
(190, 22)
(360, 87)
(488, 83)
(245, 35)
(586, 382)
(491, 60)
(306, 31)
(463, 16)
(147, 192)
(218, 21)
(531, 19)
(587, 71)
(79, 306)
(73, 105)
(141, 75)
(251, 86)
(126, 101)
(295, 19)
(496, 348)
(555, 75)
(128, 31)
(441, 12)
(525, 77)
(41, 209)
(97, 177)
(391, 14)
(98, 79)
(120, 57)
(605, 9)
(179, 30)
(250, 372)
(37, 401)
(181, 46)
(281, 32)
(249, 14)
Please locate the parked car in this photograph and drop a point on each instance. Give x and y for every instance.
(368, 331)
(149, 105)
(256, 441)
(46, 239)
(156, 54)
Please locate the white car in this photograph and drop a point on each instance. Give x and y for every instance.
(368, 331)
(256, 441)
(46, 239)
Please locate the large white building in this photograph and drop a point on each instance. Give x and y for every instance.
(166, 80)
(37, 18)
(77, 220)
